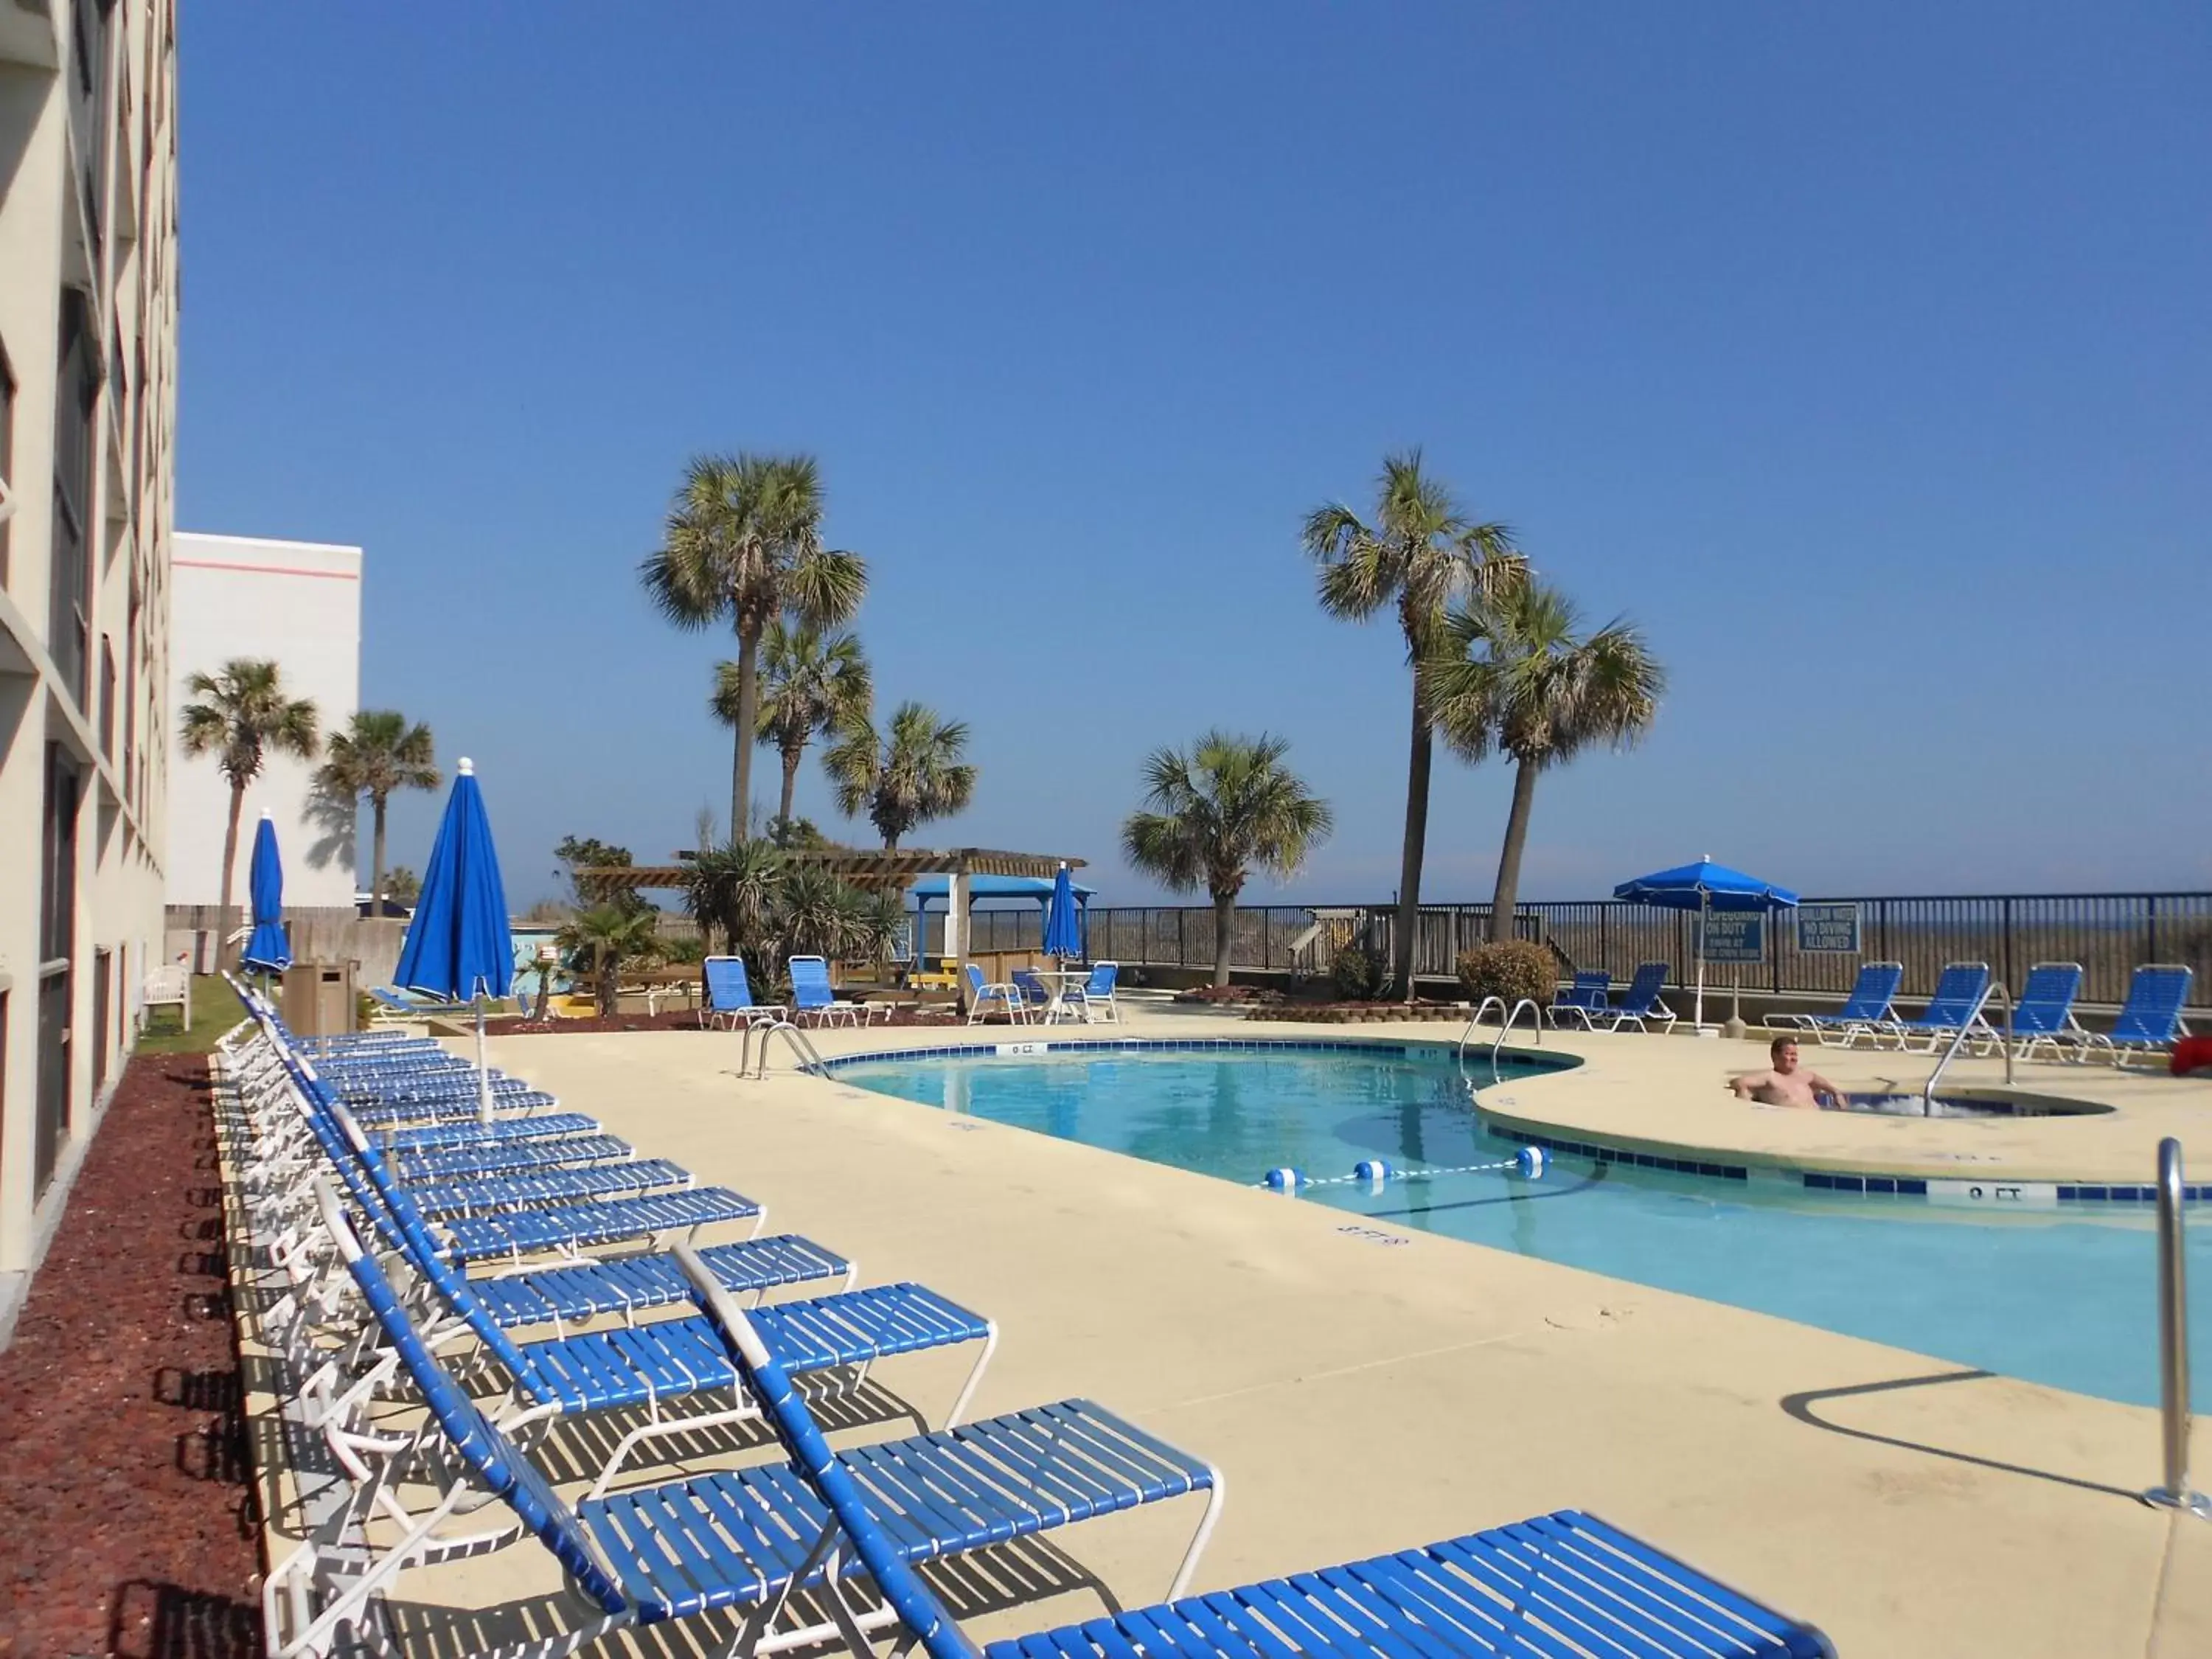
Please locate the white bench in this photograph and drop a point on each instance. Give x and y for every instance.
(170, 987)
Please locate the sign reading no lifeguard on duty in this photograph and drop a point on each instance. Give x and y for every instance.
(1736, 936)
(1828, 928)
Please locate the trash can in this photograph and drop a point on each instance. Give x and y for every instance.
(319, 998)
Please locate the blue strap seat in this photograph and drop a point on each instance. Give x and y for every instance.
(457, 1111)
(497, 1158)
(731, 1538)
(633, 1285)
(1561, 1585)
(603, 1221)
(535, 1189)
(549, 1127)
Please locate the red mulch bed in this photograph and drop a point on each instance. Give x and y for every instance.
(128, 1524)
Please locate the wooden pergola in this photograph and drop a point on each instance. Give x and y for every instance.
(876, 870)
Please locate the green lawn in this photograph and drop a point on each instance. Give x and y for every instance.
(216, 1008)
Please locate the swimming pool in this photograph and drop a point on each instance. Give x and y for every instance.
(2063, 1295)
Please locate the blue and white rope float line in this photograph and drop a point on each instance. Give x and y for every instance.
(1373, 1172)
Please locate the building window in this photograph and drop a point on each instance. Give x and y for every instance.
(77, 402)
(57, 936)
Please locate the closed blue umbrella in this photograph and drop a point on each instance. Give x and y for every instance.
(458, 946)
(1063, 919)
(267, 949)
(1705, 886)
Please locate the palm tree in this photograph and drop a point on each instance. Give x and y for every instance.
(402, 885)
(734, 888)
(1228, 805)
(1511, 674)
(606, 934)
(742, 543)
(811, 681)
(911, 773)
(242, 715)
(1420, 554)
(380, 754)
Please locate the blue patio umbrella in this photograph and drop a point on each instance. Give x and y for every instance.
(1705, 886)
(267, 949)
(458, 946)
(1063, 919)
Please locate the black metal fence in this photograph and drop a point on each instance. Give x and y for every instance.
(2108, 933)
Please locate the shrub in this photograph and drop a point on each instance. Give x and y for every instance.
(1356, 976)
(1514, 969)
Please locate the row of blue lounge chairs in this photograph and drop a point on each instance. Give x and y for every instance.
(424, 1375)
(2043, 1019)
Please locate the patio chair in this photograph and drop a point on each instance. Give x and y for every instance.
(1640, 1001)
(712, 1540)
(1560, 1583)
(1587, 996)
(979, 994)
(728, 1001)
(812, 993)
(398, 1005)
(2150, 1019)
(1957, 1004)
(1869, 1008)
(2044, 1014)
(169, 986)
(1036, 996)
(1095, 996)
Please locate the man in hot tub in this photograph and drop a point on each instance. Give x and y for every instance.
(1787, 1084)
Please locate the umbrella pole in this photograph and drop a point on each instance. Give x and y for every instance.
(1702, 901)
(484, 1076)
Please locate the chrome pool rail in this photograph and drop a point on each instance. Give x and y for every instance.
(801, 1046)
(1994, 988)
(1505, 1025)
(2174, 1491)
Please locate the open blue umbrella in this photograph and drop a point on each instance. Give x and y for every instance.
(458, 946)
(267, 949)
(1705, 886)
(1063, 919)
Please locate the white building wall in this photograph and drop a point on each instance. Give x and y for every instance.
(88, 248)
(296, 604)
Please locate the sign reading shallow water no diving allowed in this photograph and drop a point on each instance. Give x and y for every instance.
(1828, 928)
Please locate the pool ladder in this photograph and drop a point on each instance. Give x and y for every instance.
(801, 1047)
(1995, 988)
(1507, 1016)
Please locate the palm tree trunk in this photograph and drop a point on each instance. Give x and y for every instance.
(1417, 762)
(609, 980)
(1224, 921)
(376, 858)
(791, 757)
(1509, 857)
(741, 770)
(223, 947)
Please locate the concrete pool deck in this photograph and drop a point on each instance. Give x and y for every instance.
(1363, 1390)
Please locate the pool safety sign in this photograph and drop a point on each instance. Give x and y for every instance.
(1736, 936)
(1828, 929)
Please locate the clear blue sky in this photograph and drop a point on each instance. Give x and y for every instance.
(1862, 354)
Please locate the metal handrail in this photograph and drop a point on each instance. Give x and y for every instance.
(2173, 1493)
(1994, 988)
(1536, 1017)
(1475, 1019)
(810, 1058)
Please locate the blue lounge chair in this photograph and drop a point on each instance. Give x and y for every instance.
(1036, 994)
(1640, 1002)
(813, 994)
(2044, 1014)
(728, 1001)
(1095, 996)
(2150, 1019)
(725, 1539)
(1869, 1009)
(1957, 1004)
(1589, 996)
(980, 995)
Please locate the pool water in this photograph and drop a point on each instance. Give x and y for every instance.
(2056, 1297)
